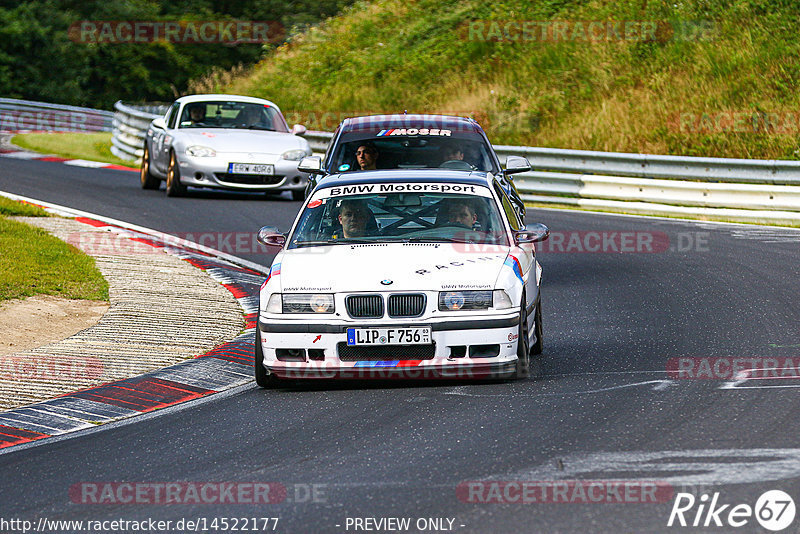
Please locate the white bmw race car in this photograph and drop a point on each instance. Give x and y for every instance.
(401, 274)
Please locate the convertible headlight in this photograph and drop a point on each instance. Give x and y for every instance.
(307, 303)
(200, 151)
(294, 155)
(473, 300)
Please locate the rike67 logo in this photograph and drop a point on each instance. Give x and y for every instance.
(774, 510)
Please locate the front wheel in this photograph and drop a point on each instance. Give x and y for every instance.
(148, 180)
(523, 366)
(174, 186)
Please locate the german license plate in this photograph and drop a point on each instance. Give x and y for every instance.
(420, 335)
(251, 168)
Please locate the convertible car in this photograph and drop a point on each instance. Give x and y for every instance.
(401, 274)
(224, 142)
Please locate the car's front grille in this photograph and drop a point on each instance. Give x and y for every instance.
(408, 305)
(358, 353)
(248, 179)
(364, 306)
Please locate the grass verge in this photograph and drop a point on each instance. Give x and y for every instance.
(33, 262)
(88, 146)
(693, 78)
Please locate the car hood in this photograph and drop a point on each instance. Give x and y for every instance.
(241, 141)
(389, 267)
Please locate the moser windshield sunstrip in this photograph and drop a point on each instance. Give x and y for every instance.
(402, 274)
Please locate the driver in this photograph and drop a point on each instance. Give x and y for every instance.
(197, 114)
(354, 216)
(458, 212)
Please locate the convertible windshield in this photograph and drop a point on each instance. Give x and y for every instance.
(397, 212)
(239, 115)
(407, 148)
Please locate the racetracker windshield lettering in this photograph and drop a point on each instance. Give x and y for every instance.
(414, 131)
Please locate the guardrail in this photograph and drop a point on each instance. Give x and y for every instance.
(130, 126)
(740, 189)
(24, 115)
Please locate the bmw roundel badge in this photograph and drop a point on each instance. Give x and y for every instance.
(386, 282)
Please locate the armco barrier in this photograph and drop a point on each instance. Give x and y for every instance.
(741, 189)
(16, 115)
(130, 126)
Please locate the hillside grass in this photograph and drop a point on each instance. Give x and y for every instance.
(33, 262)
(669, 95)
(88, 146)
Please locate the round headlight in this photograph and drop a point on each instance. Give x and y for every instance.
(454, 301)
(320, 303)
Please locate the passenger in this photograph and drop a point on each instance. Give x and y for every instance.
(453, 158)
(354, 216)
(457, 212)
(367, 157)
(453, 153)
(250, 116)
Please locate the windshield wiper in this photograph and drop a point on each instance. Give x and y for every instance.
(339, 241)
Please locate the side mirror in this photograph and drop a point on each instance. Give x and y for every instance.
(298, 129)
(271, 236)
(311, 165)
(532, 233)
(517, 164)
(159, 123)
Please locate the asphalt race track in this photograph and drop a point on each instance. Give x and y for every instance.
(644, 320)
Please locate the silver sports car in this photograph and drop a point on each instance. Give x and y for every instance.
(224, 142)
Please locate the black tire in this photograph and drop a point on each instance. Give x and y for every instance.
(538, 346)
(174, 186)
(148, 180)
(523, 365)
(263, 379)
(298, 194)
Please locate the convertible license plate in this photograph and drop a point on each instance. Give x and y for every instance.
(420, 335)
(251, 168)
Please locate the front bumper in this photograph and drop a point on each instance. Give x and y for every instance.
(461, 349)
(213, 172)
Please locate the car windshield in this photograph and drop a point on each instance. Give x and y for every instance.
(238, 115)
(400, 212)
(413, 148)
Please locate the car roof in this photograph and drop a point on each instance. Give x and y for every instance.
(413, 120)
(225, 98)
(405, 176)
